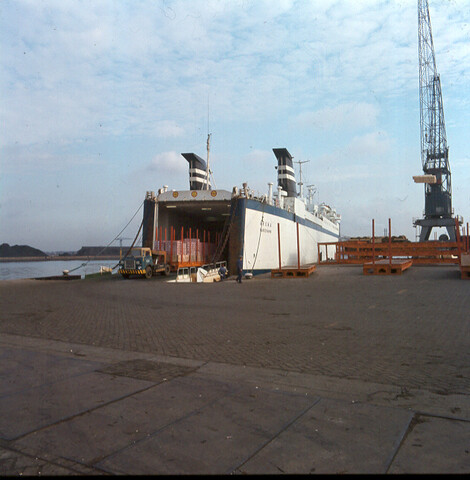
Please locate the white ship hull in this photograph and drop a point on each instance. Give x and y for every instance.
(271, 232)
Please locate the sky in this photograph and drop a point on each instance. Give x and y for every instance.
(98, 99)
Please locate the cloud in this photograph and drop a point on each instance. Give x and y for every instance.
(169, 163)
(363, 157)
(17, 159)
(350, 116)
(169, 128)
(375, 144)
(107, 68)
(258, 157)
(257, 169)
(165, 168)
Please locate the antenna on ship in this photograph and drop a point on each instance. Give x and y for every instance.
(208, 146)
(207, 168)
(312, 189)
(301, 194)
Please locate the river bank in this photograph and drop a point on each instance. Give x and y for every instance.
(48, 258)
(82, 266)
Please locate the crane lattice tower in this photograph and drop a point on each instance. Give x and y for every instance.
(434, 150)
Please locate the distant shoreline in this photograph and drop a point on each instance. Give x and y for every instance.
(52, 258)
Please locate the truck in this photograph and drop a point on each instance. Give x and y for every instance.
(143, 261)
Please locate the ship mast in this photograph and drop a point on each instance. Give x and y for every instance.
(208, 146)
(301, 193)
(207, 168)
(311, 192)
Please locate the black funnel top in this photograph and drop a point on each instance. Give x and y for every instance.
(285, 171)
(197, 171)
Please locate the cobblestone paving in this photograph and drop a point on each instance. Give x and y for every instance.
(410, 330)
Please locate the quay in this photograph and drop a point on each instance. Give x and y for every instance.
(337, 372)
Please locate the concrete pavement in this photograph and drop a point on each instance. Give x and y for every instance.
(337, 373)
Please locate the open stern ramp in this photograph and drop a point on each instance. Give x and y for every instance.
(190, 225)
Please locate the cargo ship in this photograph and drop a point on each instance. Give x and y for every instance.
(203, 225)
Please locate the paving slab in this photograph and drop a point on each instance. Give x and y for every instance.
(215, 439)
(334, 437)
(38, 407)
(104, 431)
(11, 461)
(15, 463)
(434, 445)
(444, 404)
(26, 369)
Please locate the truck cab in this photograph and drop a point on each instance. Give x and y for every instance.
(143, 261)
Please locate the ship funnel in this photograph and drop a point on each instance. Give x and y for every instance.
(285, 171)
(197, 172)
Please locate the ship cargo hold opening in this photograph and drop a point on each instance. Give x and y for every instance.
(194, 228)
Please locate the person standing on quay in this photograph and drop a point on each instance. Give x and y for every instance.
(223, 272)
(239, 269)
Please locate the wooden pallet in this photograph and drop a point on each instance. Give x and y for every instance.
(384, 267)
(292, 272)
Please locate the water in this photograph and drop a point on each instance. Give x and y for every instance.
(17, 270)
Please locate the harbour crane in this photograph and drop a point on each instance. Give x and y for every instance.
(434, 150)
